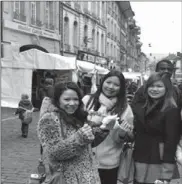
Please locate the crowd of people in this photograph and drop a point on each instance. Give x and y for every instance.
(83, 138)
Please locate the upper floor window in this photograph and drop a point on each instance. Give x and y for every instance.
(93, 38)
(19, 11)
(102, 44)
(35, 13)
(98, 9)
(66, 30)
(75, 34)
(103, 10)
(49, 14)
(85, 5)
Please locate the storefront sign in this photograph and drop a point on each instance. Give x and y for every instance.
(31, 30)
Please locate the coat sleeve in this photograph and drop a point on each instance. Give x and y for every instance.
(99, 134)
(172, 136)
(58, 148)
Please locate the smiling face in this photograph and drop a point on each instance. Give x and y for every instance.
(69, 101)
(156, 90)
(111, 86)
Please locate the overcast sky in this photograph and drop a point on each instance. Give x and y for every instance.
(160, 24)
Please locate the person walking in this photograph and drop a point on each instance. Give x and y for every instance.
(66, 136)
(110, 99)
(157, 133)
(24, 105)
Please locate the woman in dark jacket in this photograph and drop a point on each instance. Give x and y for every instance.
(156, 125)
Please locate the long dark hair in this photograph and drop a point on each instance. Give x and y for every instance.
(121, 97)
(168, 99)
(77, 119)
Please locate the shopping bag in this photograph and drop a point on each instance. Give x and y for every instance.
(126, 167)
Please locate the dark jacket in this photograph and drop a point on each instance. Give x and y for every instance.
(152, 129)
(26, 104)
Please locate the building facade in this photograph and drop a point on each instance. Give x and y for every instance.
(84, 30)
(102, 32)
(30, 23)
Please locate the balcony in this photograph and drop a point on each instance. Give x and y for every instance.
(77, 6)
(67, 47)
(131, 23)
(19, 16)
(39, 23)
(75, 49)
(51, 26)
(33, 21)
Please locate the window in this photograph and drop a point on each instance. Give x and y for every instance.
(75, 34)
(108, 49)
(111, 27)
(49, 15)
(102, 44)
(35, 13)
(103, 10)
(93, 38)
(98, 9)
(19, 11)
(66, 30)
(111, 51)
(85, 5)
(98, 41)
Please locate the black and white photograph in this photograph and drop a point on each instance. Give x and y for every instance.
(91, 92)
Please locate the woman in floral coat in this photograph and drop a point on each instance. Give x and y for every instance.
(66, 139)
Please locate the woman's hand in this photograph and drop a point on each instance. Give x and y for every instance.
(87, 132)
(108, 122)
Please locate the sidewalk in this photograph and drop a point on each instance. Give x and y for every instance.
(20, 155)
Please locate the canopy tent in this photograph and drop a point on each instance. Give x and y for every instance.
(16, 75)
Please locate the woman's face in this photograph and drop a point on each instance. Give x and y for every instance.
(156, 90)
(111, 86)
(69, 101)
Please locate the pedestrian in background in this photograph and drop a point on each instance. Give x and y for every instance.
(23, 107)
(66, 137)
(157, 133)
(110, 99)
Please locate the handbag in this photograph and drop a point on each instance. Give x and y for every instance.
(126, 167)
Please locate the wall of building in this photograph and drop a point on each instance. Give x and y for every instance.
(22, 32)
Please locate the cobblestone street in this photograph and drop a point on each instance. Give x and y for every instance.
(19, 155)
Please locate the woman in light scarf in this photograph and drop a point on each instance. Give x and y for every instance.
(110, 99)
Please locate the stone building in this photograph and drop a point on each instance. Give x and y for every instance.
(26, 22)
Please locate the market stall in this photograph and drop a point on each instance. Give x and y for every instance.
(18, 72)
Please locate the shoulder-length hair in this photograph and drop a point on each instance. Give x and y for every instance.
(59, 88)
(168, 99)
(121, 103)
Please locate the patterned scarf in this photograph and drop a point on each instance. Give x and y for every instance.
(107, 104)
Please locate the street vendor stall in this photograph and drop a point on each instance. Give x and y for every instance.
(18, 72)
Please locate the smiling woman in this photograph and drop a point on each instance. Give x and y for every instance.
(157, 131)
(66, 137)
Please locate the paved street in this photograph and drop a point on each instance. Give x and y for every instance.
(19, 155)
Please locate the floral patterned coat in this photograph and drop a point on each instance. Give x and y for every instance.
(72, 152)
